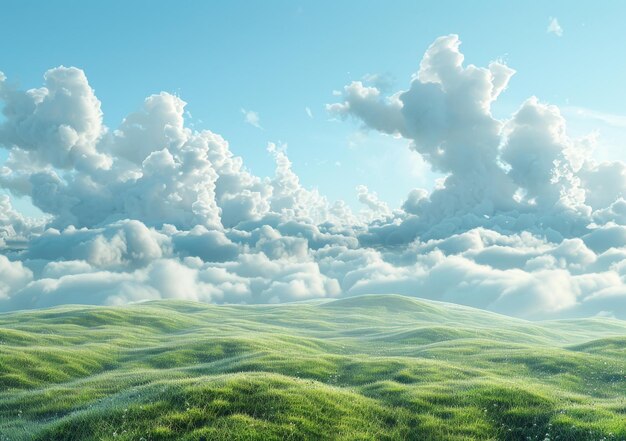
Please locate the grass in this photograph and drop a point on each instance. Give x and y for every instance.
(366, 368)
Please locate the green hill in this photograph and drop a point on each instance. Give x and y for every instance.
(370, 367)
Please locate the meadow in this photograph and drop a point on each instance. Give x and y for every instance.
(362, 368)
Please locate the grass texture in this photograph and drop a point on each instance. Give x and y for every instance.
(363, 368)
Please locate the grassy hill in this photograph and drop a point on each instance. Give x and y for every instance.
(371, 367)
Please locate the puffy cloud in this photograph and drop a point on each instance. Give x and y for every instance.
(370, 199)
(94, 288)
(366, 103)
(606, 237)
(274, 245)
(446, 115)
(58, 269)
(283, 279)
(13, 276)
(535, 142)
(210, 246)
(290, 199)
(414, 201)
(120, 245)
(605, 182)
(616, 212)
(14, 226)
(57, 124)
(159, 126)
(520, 174)
(518, 275)
(522, 177)
(524, 222)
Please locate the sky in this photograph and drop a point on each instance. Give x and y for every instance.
(303, 133)
(278, 58)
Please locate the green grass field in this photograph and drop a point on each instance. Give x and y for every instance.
(367, 368)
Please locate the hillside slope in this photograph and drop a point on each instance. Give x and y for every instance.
(370, 367)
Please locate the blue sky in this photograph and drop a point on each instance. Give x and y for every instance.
(278, 58)
(530, 220)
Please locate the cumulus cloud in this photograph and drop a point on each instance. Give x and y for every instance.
(13, 225)
(375, 206)
(518, 175)
(13, 276)
(522, 173)
(524, 222)
(57, 124)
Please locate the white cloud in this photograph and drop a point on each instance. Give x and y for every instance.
(251, 117)
(13, 276)
(370, 199)
(554, 27)
(58, 124)
(308, 112)
(517, 174)
(13, 225)
(525, 220)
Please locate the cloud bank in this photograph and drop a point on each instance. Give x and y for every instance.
(526, 222)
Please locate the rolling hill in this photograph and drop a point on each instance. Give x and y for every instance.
(368, 368)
